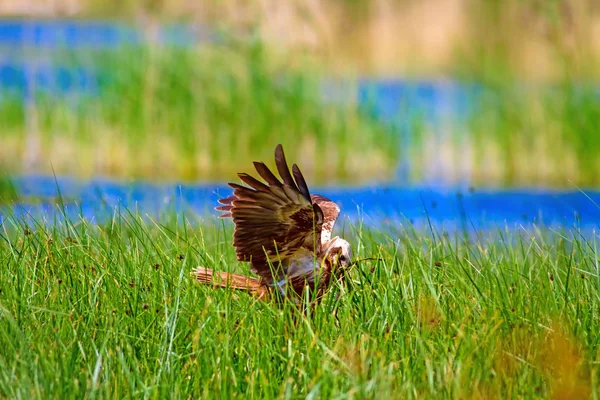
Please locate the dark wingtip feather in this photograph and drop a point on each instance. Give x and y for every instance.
(278, 149)
(266, 174)
(301, 182)
(237, 186)
(253, 182)
(282, 167)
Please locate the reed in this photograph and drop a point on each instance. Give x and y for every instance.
(195, 114)
(205, 113)
(408, 37)
(533, 135)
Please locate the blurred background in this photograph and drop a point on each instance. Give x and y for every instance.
(475, 95)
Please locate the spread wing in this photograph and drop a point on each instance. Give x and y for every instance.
(331, 211)
(273, 221)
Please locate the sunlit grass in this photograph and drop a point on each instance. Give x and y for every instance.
(112, 311)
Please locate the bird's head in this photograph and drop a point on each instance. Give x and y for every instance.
(339, 252)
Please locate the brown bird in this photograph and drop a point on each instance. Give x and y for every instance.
(284, 232)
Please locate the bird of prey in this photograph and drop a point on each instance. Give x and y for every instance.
(284, 232)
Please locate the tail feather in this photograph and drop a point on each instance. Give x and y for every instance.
(229, 280)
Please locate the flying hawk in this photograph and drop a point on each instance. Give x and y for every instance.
(284, 232)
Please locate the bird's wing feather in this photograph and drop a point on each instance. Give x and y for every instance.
(273, 221)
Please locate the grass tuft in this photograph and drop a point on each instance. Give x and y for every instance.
(110, 310)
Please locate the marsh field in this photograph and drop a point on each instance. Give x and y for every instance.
(465, 157)
(111, 311)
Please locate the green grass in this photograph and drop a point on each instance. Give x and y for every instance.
(526, 134)
(7, 190)
(205, 113)
(111, 311)
(196, 114)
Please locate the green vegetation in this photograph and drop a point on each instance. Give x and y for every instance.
(523, 134)
(196, 114)
(7, 190)
(206, 113)
(111, 311)
(532, 38)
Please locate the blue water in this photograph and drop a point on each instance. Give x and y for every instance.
(27, 66)
(446, 209)
(57, 33)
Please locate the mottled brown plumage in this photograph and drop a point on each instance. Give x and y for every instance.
(283, 232)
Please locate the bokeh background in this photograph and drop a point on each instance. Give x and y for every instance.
(460, 138)
(388, 93)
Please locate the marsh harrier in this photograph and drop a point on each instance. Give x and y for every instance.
(284, 232)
